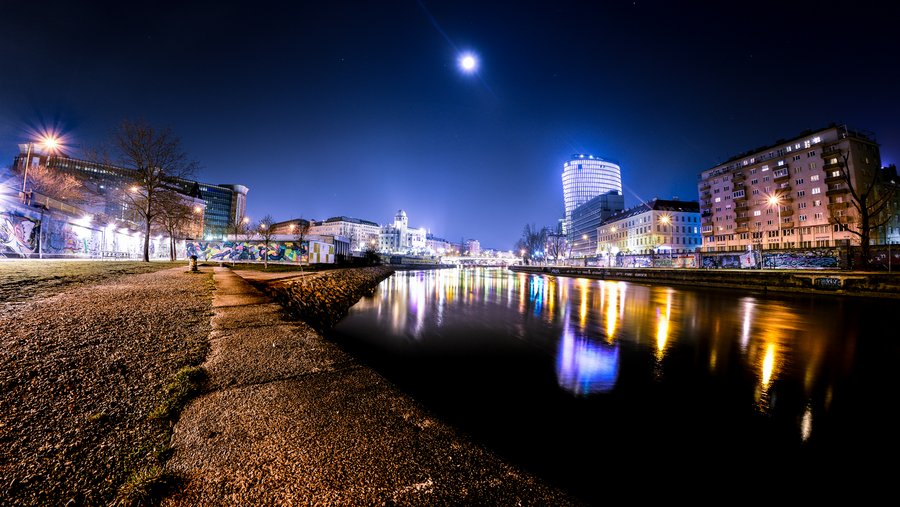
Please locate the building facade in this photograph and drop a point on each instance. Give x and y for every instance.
(473, 247)
(222, 204)
(656, 227)
(361, 233)
(588, 217)
(788, 195)
(585, 177)
(400, 238)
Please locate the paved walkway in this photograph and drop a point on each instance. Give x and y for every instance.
(289, 418)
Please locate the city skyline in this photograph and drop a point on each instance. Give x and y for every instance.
(359, 109)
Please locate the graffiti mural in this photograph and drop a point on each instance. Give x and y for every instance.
(816, 258)
(231, 251)
(18, 235)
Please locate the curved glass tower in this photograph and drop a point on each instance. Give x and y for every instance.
(585, 177)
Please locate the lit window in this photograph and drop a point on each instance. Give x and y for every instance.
(815, 190)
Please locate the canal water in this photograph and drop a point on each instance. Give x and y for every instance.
(607, 388)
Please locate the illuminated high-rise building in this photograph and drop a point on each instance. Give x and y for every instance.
(585, 177)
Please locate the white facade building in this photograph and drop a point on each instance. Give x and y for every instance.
(660, 227)
(585, 177)
(360, 233)
(400, 238)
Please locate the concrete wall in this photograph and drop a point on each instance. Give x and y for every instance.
(812, 281)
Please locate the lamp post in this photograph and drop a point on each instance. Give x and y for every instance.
(775, 200)
(665, 220)
(50, 143)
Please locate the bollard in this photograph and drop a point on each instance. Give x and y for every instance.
(193, 263)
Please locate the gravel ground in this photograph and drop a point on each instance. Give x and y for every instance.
(26, 280)
(80, 371)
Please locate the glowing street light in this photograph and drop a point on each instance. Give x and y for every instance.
(775, 200)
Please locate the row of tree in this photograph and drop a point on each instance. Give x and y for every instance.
(542, 243)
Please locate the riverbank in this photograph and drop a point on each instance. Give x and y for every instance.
(824, 282)
(87, 352)
(288, 418)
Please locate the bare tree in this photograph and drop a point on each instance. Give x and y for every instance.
(156, 158)
(264, 226)
(556, 242)
(58, 185)
(532, 241)
(239, 228)
(176, 218)
(301, 229)
(871, 197)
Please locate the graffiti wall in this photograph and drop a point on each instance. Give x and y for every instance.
(254, 251)
(18, 235)
(815, 258)
(29, 233)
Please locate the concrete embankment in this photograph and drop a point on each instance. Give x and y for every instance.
(288, 418)
(846, 283)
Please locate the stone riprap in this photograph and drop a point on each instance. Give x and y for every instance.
(322, 299)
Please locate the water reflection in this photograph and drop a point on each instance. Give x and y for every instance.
(585, 367)
(740, 360)
(586, 313)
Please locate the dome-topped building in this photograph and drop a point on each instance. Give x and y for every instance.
(400, 238)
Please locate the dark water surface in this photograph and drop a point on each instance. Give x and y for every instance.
(613, 388)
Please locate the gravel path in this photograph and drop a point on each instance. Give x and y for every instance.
(81, 371)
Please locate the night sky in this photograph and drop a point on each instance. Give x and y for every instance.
(359, 108)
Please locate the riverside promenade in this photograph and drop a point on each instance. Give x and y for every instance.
(288, 418)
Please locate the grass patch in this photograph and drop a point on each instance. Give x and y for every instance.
(184, 384)
(144, 487)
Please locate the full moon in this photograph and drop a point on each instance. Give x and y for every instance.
(468, 63)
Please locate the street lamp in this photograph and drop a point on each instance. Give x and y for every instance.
(49, 142)
(665, 220)
(775, 200)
